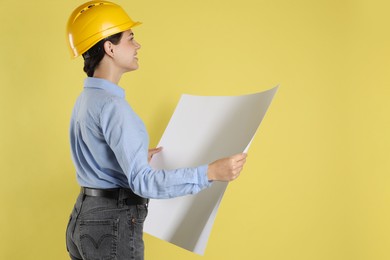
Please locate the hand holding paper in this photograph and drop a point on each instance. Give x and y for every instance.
(152, 152)
(226, 169)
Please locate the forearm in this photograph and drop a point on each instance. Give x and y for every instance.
(162, 184)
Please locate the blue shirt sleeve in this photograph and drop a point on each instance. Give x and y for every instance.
(126, 135)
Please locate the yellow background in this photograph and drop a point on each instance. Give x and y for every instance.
(316, 185)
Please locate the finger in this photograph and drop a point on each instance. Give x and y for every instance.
(237, 170)
(155, 150)
(236, 174)
(239, 164)
(239, 157)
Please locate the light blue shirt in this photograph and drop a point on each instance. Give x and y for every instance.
(109, 145)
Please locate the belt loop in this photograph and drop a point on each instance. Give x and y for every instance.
(121, 198)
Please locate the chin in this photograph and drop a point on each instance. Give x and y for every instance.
(132, 68)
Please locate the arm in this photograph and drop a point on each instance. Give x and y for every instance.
(126, 135)
(226, 169)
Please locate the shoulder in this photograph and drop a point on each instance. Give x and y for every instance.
(117, 110)
(112, 103)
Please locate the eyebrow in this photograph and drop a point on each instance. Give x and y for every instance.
(131, 34)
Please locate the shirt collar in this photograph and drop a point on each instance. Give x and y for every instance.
(104, 84)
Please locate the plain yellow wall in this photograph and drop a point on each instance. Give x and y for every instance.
(316, 185)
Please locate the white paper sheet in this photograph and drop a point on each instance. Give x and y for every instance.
(202, 129)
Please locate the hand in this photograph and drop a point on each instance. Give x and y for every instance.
(226, 169)
(152, 152)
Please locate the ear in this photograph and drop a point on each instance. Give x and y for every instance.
(109, 48)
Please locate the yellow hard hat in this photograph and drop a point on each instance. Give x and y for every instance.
(94, 21)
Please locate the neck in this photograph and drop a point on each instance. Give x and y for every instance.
(110, 77)
(107, 71)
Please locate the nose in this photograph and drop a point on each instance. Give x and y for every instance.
(137, 45)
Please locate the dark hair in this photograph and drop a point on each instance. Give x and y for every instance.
(95, 54)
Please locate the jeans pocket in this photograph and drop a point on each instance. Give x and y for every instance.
(98, 239)
(142, 212)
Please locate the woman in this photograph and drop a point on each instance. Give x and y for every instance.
(109, 144)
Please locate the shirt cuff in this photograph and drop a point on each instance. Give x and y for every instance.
(203, 178)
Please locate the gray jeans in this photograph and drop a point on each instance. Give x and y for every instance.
(105, 229)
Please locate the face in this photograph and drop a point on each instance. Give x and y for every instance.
(125, 53)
